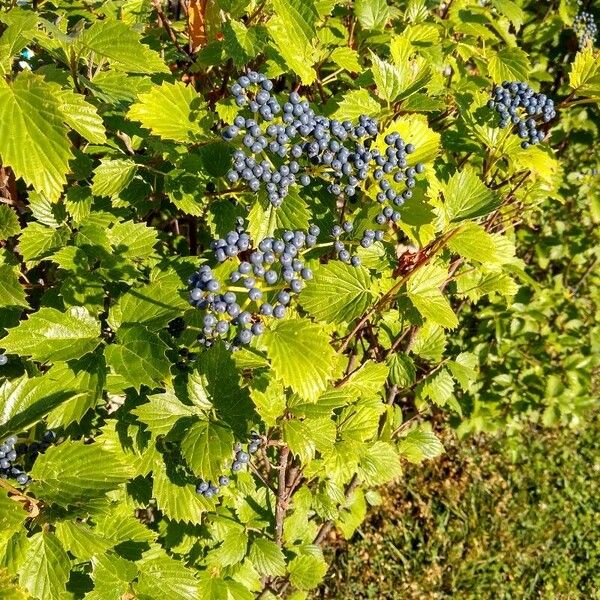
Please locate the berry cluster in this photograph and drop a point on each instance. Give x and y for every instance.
(518, 104)
(208, 489)
(585, 28)
(304, 144)
(268, 275)
(9, 452)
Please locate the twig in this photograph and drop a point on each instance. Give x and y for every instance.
(281, 505)
(166, 25)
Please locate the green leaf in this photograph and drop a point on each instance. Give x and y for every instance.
(338, 293)
(74, 472)
(176, 497)
(133, 240)
(162, 411)
(511, 11)
(264, 219)
(11, 291)
(402, 370)
(267, 557)
(81, 116)
(138, 357)
(172, 111)
(372, 14)
(387, 78)
(25, 401)
(467, 197)
(81, 540)
(430, 342)
(420, 444)
(356, 103)
(9, 222)
(112, 176)
(33, 137)
(379, 463)
(346, 58)
(45, 570)
(307, 571)
(38, 242)
(474, 243)
(269, 399)
(120, 44)
(12, 513)
(423, 289)
(584, 77)
(112, 576)
(438, 387)
(510, 64)
(152, 305)
(207, 448)
(168, 579)
(292, 29)
(52, 335)
(301, 356)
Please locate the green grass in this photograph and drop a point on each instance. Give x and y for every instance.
(511, 519)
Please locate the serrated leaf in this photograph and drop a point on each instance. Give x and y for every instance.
(167, 578)
(33, 137)
(52, 335)
(38, 242)
(420, 444)
(301, 356)
(402, 370)
(269, 399)
(292, 30)
(152, 305)
(415, 130)
(138, 357)
(11, 291)
(133, 240)
(162, 411)
(9, 222)
(267, 557)
(584, 77)
(467, 197)
(430, 342)
(73, 472)
(176, 497)
(346, 58)
(356, 103)
(437, 387)
(81, 116)
(172, 111)
(372, 14)
(338, 293)
(112, 176)
(509, 64)
(111, 575)
(264, 219)
(120, 44)
(81, 540)
(207, 448)
(474, 243)
(423, 289)
(387, 78)
(307, 571)
(379, 463)
(45, 570)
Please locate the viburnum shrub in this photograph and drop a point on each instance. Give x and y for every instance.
(251, 250)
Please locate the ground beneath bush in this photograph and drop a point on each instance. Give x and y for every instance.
(504, 518)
